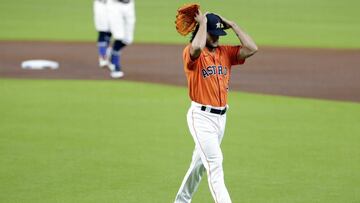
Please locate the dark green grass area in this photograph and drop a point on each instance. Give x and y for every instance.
(116, 141)
(290, 23)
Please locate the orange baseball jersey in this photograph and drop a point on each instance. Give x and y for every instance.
(208, 76)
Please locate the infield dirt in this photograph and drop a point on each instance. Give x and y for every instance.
(314, 73)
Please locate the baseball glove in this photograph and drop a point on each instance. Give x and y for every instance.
(185, 18)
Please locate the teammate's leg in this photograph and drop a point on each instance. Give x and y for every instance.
(115, 65)
(191, 180)
(129, 23)
(116, 21)
(102, 26)
(103, 45)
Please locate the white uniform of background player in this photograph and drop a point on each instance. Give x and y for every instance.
(114, 18)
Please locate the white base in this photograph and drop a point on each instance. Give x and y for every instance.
(39, 64)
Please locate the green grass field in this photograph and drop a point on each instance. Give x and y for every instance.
(105, 141)
(306, 23)
(116, 141)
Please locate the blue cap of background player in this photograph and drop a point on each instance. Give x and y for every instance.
(215, 25)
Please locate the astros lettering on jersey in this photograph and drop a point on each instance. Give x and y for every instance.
(208, 76)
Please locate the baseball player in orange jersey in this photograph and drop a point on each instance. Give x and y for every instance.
(207, 67)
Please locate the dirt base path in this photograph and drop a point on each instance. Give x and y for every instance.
(315, 73)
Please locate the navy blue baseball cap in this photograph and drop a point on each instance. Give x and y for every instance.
(215, 25)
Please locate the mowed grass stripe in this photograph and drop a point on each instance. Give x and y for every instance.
(117, 141)
(315, 23)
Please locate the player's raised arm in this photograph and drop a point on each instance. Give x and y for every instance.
(249, 47)
(199, 41)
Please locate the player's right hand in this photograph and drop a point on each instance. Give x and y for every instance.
(227, 23)
(200, 18)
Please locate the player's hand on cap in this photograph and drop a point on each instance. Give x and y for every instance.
(199, 17)
(227, 23)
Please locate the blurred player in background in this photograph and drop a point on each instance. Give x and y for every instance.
(113, 19)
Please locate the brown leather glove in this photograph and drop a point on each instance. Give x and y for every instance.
(185, 21)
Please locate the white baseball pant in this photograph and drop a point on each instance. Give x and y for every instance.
(117, 18)
(122, 20)
(101, 16)
(207, 130)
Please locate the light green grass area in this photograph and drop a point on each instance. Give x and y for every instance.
(116, 141)
(306, 23)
